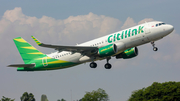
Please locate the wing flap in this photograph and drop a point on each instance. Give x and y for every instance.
(22, 65)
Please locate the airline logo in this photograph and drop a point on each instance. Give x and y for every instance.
(125, 34)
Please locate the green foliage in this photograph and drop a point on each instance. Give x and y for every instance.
(44, 98)
(99, 95)
(61, 100)
(168, 91)
(6, 99)
(27, 97)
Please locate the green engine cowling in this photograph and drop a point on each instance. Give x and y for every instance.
(129, 53)
(107, 50)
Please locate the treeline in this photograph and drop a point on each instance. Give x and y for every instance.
(167, 91)
(98, 95)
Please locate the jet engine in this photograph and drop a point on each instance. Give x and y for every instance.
(129, 53)
(107, 50)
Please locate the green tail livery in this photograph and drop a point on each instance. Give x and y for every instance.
(35, 60)
(121, 45)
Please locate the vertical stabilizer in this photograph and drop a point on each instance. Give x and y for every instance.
(27, 51)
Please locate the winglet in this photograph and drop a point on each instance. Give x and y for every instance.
(37, 41)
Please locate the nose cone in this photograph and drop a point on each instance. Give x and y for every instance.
(170, 28)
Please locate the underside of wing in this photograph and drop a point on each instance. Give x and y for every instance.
(66, 48)
(22, 65)
(69, 48)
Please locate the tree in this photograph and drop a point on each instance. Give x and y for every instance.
(168, 91)
(99, 95)
(44, 97)
(61, 100)
(27, 97)
(6, 99)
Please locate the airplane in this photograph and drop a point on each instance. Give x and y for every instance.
(122, 44)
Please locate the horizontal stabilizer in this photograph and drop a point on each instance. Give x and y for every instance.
(22, 65)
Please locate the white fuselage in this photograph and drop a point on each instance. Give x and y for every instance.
(131, 37)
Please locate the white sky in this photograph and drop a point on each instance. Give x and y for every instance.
(66, 22)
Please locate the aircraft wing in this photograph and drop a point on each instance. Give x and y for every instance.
(22, 65)
(81, 49)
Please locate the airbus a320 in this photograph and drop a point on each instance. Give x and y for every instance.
(122, 44)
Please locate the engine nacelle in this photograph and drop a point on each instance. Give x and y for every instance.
(129, 53)
(120, 46)
(107, 50)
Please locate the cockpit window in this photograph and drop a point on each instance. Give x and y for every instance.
(159, 24)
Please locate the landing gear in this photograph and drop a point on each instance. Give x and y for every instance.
(154, 48)
(93, 65)
(108, 65)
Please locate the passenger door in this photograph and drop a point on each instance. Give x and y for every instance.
(147, 31)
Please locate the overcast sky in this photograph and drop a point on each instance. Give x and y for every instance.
(67, 22)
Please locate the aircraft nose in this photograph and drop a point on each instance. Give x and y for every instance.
(170, 28)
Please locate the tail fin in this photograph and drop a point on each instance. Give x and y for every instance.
(27, 51)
